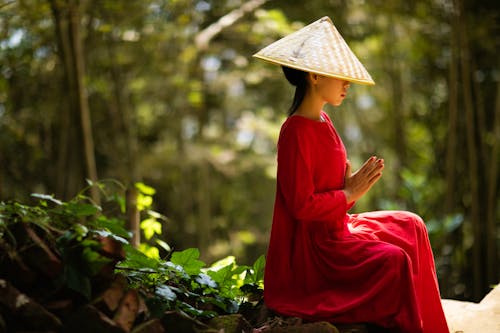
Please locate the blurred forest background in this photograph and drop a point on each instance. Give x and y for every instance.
(167, 93)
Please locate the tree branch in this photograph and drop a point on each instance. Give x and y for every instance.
(204, 37)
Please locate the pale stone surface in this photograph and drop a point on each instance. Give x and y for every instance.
(468, 317)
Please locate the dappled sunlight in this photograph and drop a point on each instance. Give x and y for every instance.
(166, 98)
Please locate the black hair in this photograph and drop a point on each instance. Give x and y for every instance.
(297, 78)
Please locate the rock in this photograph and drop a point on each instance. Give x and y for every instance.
(111, 248)
(89, 319)
(174, 322)
(15, 269)
(24, 312)
(109, 300)
(127, 310)
(234, 323)
(468, 317)
(257, 314)
(151, 326)
(41, 256)
(62, 307)
(318, 327)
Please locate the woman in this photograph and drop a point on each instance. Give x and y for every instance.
(323, 263)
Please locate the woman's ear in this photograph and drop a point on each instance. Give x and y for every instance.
(313, 78)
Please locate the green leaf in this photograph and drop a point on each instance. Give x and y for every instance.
(144, 201)
(205, 280)
(192, 311)
(163, 245)
(95, 261)
(188, 259)
(136, 259)
(79, 209)
(229, 260)
(107, 234)
(46, 197)
(223, 276)
(77, 281)
(80, 231)
(150, 227)
(114, 225)
(256, 274)
(217, 301)
(157, 306)
(145, 189)
(150, 251)
(166, 292)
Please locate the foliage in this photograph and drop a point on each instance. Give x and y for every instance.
(182, 284)
(151, 226)
(200, 124)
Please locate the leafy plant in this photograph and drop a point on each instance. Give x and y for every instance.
(184, 284)
(74, 231)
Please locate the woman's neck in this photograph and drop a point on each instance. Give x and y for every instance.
(310, 107)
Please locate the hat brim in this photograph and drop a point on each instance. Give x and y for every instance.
(317, 48)
(312, 70)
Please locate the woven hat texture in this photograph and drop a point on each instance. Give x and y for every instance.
(317, 48)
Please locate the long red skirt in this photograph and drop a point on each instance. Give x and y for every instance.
(381, 271)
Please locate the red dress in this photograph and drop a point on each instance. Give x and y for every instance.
(326, 264)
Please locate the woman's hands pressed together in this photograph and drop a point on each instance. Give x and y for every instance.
(358, 183)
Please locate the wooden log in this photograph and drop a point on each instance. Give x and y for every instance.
(24, 312)
(127, 311)
(150, 326)
(89, 319)
(111, 248)
(13, 268)
(109, 300)
(174, 322)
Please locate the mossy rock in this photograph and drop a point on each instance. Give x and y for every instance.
(234, 323)
(318, 327)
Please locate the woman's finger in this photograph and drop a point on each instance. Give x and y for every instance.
(375, 178)
(348, 169)
(368, 162)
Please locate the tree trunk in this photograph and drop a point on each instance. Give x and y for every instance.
(133, 218)
(75, 128)
(63, 170)
(123, 120)
(451, 153)
(82, 99)
(492, 199)
(123, 124)
(477, 263)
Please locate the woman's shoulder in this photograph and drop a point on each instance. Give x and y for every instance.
(299, 129)
(296, 124)
(300, 123)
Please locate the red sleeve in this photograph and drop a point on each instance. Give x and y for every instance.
(295, 181)
(325, 115)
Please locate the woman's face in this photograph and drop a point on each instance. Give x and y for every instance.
(331, 90)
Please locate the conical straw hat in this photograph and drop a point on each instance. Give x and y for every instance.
(317, 48)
